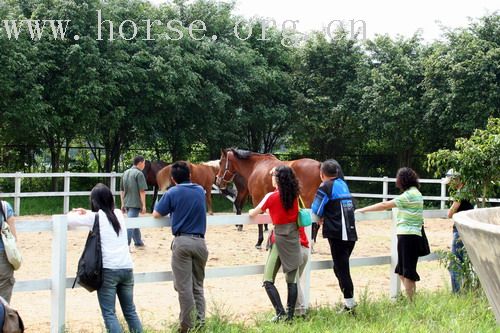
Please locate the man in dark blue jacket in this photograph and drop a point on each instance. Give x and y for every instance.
(185, 202)
(334, 206)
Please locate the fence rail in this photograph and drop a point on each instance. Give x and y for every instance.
(67, 193)
(59, 282)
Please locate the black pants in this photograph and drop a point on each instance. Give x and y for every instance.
(341, 251)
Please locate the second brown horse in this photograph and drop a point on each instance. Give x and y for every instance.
(201, 174)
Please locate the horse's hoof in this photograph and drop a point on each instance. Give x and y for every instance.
(258, 247)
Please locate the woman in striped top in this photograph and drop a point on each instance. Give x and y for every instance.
(408, 228)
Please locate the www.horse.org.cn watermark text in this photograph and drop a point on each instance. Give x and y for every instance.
(174, 30)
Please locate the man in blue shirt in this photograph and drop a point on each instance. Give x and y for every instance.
(185, 202)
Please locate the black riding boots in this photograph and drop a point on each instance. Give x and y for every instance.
(274, 296)
(291, 300)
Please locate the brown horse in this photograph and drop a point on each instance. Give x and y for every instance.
(201, 174)
(150, 171)
(255, 167)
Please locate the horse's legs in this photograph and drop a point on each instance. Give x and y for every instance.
(315, 229)
(261, 238)
(238, 204)
(155, 195)
(314, 234)
(208, 197)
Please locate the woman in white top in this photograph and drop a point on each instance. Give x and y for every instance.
(118, 276)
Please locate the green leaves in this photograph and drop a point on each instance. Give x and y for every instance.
(476, 159)
(325, 98)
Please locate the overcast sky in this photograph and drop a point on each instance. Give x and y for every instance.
(384, 16)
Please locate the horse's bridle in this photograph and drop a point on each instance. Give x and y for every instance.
(227, 172)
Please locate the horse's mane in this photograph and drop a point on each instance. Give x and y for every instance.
(245, 154)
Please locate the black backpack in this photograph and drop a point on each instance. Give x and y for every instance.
(89, 274)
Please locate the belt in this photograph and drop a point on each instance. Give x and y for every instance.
(189, 235)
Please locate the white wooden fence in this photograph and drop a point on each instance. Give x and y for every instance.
(67, 193)
(59, 282)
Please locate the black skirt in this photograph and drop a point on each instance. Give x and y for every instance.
(408, 256)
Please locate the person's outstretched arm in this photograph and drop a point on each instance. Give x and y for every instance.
(377, 207)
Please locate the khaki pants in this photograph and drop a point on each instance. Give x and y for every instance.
(300, 306)
(6, 277)
(189, 258)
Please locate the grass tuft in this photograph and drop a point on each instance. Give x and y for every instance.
(430, 312)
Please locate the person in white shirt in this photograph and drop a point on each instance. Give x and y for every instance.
(118, 275)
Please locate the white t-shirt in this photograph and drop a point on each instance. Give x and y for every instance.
(115, 251)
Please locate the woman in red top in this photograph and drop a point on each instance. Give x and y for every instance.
(283, 207)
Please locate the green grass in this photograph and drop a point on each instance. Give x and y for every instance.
(54, 205)
(431, 312)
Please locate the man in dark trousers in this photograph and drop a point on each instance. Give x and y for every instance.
(334, 206)
(133, 196)
(185, 202)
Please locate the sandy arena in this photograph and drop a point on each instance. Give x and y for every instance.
(242, 298)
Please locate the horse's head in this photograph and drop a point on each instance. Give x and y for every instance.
(226, 169)
(147, 173)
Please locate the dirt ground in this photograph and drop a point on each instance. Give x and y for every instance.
(241, 298)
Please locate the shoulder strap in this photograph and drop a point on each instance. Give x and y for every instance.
(96, 228)
(3, 208)
(301, 203)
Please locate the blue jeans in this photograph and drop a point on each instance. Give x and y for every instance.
(457, 248)
(118, 282)
(134, 233)
(2, 314)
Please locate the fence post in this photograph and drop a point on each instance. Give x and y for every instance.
(67, 181)
(306, 275)
(112, 183)
(443, 193)
(385, 189)
(58, 286)
(17, 193)
(395, 282)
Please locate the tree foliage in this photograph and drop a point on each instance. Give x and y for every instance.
(476, 159)
(337, 97)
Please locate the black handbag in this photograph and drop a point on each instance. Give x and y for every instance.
(89, 274)
(423, 248)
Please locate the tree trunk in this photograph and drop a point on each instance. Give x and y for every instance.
(55, 154)
(405, 157)
(96, 152)
(485, 193)
(66, 156)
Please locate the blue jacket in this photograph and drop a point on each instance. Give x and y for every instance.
(334, 203)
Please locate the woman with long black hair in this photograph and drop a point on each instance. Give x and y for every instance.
(118, 275)
(283, 207)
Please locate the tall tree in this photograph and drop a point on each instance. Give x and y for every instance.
(392, 100)
(329, 81)
(462, 82)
